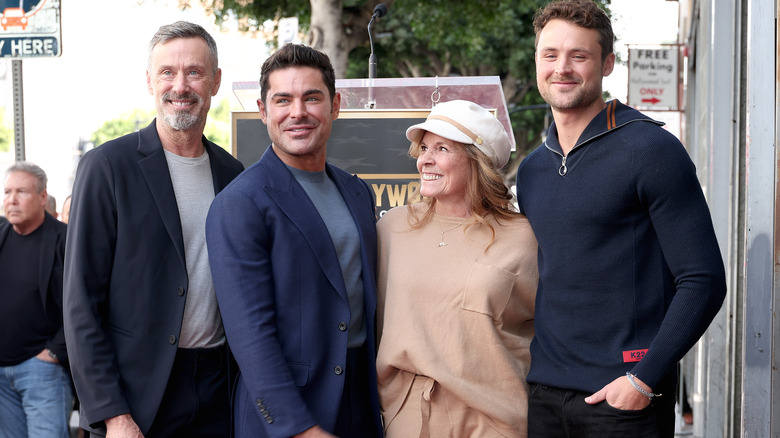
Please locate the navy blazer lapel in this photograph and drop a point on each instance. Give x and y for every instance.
(154, 167)
(356, 196)
(296, 205)
(352, 190)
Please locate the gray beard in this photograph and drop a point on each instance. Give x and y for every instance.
(181, 120)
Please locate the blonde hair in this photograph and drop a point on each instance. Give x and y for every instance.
(487, 193)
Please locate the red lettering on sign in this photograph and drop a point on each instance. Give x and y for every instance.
(651, 91)
(634, 355)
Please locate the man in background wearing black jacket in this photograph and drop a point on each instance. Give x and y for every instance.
(35, 389)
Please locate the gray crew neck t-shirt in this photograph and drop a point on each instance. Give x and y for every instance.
(194, 189)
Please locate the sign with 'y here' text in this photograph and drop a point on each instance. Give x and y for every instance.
(30, 29)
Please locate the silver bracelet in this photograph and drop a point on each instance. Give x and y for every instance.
(649, 395)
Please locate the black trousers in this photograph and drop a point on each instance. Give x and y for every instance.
(561, 413)
(356, 418)
(196, 403)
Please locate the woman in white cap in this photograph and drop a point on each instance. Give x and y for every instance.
(457, 281)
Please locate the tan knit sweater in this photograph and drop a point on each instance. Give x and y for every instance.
(457, 314)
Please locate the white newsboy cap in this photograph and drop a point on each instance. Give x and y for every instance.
(468, 123)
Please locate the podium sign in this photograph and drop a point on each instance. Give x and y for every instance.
(371, 143)
(373, 148)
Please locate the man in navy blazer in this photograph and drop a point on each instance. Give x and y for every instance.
(292, 245)
(146, 342)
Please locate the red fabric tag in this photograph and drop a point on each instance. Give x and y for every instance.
(634, 355)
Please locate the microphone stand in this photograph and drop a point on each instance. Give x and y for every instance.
(379, 11)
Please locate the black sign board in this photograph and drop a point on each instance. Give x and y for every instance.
(371, 144)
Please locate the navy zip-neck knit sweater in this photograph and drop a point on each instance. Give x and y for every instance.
(630, 273)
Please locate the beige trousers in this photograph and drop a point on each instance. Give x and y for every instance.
(430, 411)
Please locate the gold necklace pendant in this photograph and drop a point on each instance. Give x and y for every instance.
(442, 242)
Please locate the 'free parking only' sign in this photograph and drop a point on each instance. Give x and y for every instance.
(653, 78)
(30, 29)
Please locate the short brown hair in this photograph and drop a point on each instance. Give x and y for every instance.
(583, 13)
(297, 55)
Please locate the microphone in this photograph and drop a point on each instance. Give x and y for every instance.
(379, 11)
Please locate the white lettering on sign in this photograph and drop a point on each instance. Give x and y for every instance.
(28, 47)
(2, 43)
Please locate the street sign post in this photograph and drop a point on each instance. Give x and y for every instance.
(653, 77)
(30, 29)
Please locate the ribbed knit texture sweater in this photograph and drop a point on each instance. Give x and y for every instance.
(628, 259)
(457, 314)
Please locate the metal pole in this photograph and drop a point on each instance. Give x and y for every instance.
(18, 90)
(760, 398)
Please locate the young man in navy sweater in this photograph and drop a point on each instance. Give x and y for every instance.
(630, 273)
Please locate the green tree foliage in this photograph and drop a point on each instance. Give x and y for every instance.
(6, 133)
(217, 127)
(125, 124)
(335, 27)
(432, 38)
(466, 38)
(252, 14)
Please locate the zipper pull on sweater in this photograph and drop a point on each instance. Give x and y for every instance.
(562, 170)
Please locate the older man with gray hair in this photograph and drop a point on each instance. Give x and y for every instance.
(35, 389)
(148, 351)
